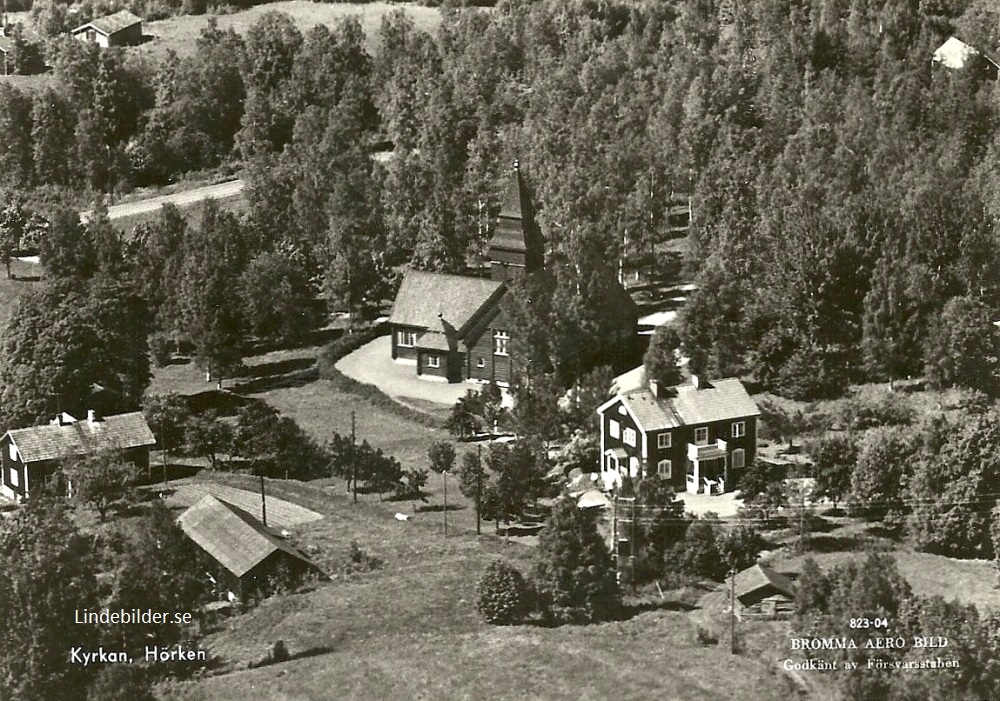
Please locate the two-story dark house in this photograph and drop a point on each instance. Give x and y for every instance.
(452, 327)
(700, 435)
(29, 456)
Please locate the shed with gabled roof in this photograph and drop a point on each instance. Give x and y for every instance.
(120, 29)
(249, 555)
(763, 591)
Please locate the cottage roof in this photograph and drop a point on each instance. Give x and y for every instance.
(759, 576)
(424, 296)
(721, 400)
(433, 340)
(67, 439)
(111, 24)
(651, 412)
(234, 538)
(955, 53)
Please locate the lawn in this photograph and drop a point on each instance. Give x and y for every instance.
(181, 33)
(410, 631)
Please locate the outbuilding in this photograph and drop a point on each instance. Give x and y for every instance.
(120, 29)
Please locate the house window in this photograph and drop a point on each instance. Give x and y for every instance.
(13, 476)
(433, 361)
(663, 440)
(480, 362)
(739, 429)
(612, 463)
(739, 458)
(12, 450)
(701, 436)
(622, 410)
(664, 468)
(406, 339)
(613, 428)
(629, 437)
(500, 341)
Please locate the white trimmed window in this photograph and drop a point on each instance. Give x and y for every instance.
(739, 458)
(501, 341)
(406, 339)
(480, 362)
(614, 428)
(12, 451)
(701, 435)
(13, 476)
(663, 440)
(433, 361)
(622, 410)
(739, 429)
(629, 437)
(664, 469)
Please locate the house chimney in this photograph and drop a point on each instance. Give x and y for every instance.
(695, 381)
(92, 417)
(654, 387)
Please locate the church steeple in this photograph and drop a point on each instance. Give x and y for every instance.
(516, 247)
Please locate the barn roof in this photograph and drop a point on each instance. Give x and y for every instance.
(111, 24)
(234, 538)
(757, 577)
(70, 437)
(425, 299)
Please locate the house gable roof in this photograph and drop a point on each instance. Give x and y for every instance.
(426, 299)
(234, 538)
(759, 576)
(683, 405)
(110, 24)
(52, 441)
(955, 53)
(719, 401)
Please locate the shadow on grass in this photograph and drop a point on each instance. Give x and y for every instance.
(436, 508)
(266, 384)
(831, 544)
(277, 367)
(221, 401)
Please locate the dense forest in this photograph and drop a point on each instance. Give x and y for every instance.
(843, 188)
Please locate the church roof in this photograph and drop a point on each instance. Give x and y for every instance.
(517, 231)
(427, 299)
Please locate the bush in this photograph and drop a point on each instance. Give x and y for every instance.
(504, 596)
(162, 350)
(357, 560)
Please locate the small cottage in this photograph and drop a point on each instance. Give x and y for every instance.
(761, 591)
(120, 29)
(31, 455)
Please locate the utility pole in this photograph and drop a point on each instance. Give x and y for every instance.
(263, 502)
(354, 461)
(631, 545)
(163, 452)
(732, 611)
(479, 485)
(614, 536)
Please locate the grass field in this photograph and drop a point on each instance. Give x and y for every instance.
(410, 631)
(181, 33)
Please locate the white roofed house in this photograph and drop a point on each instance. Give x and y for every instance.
(29, 456)
(120, 29)
(699, 435)
(955, 54)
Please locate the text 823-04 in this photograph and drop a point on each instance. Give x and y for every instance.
(869, 623)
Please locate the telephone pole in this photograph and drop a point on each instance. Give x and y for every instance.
(479, 485)
(354, 461)
(263, 502)
(732, 611)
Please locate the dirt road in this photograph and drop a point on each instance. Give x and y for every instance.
(181, 199)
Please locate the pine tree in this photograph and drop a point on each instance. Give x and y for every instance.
(574, 574)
